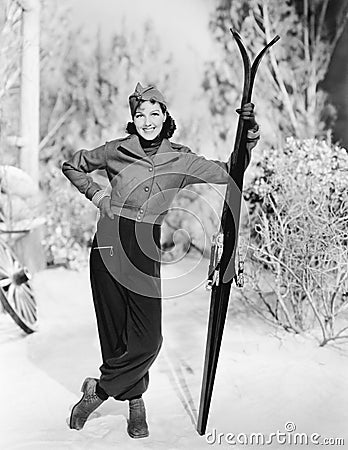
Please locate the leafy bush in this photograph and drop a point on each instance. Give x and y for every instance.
(299, 244)
(70, 221)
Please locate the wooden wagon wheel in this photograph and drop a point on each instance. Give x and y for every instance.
(16, 293)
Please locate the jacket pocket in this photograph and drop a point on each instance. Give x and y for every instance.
(160, 190)
(125, 187)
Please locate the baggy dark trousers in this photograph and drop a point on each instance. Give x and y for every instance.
(126, 288)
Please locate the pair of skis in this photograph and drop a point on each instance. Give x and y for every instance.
(222, 270)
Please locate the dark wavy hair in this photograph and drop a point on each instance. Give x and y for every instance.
(169, 125)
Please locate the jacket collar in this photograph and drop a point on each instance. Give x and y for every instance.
(132, 144)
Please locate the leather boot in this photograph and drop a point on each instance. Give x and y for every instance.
(88, 403)
(137, 426)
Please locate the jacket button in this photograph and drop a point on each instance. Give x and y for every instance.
(150, 169)
(138, 217)
(141, 211)
(146, 189)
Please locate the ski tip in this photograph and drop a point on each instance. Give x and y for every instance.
(235, 33)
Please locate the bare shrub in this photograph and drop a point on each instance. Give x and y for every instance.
(299, 244)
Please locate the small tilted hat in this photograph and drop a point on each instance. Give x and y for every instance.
(142, 94)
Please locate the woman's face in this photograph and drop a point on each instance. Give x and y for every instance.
(148, 120)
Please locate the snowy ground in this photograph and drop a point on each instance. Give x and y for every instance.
(265, 378)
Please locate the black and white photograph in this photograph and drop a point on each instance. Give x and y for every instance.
(173, 224)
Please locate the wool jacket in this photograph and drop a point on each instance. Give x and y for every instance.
(143, 187)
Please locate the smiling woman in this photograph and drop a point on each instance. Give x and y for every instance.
(149, 119)
(145, 171)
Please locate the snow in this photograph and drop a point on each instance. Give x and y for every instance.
(265, 378)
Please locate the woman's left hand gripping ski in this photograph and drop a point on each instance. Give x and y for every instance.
(247, 113)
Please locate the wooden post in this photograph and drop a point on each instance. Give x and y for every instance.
(30, 88)
(29, 248)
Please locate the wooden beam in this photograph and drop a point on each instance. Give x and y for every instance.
(30, 88)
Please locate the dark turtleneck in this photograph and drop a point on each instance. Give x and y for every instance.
(150, 147)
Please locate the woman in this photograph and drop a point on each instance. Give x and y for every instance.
(145, 171)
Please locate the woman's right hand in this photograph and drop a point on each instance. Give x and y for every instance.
(105, 207)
